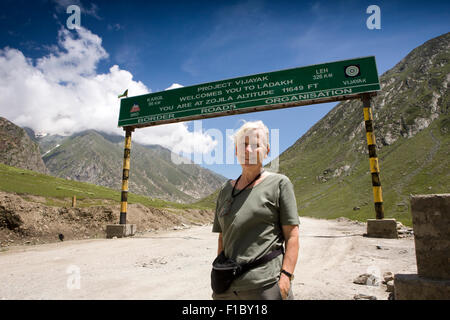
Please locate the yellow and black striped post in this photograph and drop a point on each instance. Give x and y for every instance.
(125, 175)
(373, 159)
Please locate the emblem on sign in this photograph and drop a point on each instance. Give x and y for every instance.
(135, 110)
(352, 71)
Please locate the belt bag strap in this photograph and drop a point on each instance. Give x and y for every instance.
(275, 253)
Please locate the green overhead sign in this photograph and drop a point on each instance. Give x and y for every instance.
(265, 91)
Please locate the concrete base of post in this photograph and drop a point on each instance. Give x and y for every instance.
(382, 228)
(413, 287)
(431, 219)
(120, 230)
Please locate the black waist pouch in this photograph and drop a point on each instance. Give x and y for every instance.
(225, 270)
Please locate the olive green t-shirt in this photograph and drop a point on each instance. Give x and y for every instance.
(251, 226)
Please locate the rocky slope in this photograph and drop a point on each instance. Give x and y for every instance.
(17, 149)
(31, 222)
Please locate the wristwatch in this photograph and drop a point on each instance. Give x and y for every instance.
(290, 275)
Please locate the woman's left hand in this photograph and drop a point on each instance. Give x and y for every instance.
(285, 284)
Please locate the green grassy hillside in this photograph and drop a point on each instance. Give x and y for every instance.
(59, 192)
(410, 166)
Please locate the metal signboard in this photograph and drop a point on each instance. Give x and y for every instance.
(318, 83)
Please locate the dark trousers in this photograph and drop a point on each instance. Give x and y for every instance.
(269, 292)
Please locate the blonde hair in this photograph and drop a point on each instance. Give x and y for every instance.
(251, 125)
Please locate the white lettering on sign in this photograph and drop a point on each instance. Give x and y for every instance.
(202, 95)
(309, 96)
(154, 98)
(154, 101)
(218, 100)
(233, 90)
(166, 108)
(291, 89)
(322, 76)
(216, 86)
(355, 81)
(275, 84)
(218, 108)
(254, 94)
(184, 105)
(251, 80)
(157, 117)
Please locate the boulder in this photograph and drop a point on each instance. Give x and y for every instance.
(390, 286)
(388, 276)
(367, 279)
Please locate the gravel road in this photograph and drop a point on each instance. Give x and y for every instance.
(176, 265)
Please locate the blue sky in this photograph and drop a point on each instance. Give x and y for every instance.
(159, 43)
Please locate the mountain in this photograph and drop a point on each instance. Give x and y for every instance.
(329, 165)
(17, 149)
(95, 157)
(48, 142)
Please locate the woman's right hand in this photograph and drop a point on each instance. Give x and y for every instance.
(285, 284)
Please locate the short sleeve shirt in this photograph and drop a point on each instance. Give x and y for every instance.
(251, 226)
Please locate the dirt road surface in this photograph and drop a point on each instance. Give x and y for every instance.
(176, 265)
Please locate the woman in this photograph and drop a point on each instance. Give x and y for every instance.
(255, 215)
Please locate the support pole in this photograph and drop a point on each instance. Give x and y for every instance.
(373, 159)
(125, 175)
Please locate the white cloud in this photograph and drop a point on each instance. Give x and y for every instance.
(176, 137)
(62, 93)
(174, 86)
(77, 60)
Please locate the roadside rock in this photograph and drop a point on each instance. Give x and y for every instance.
(390, 286)
(367, 279)
(404, 231)
(388, 276)
(9, 219)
